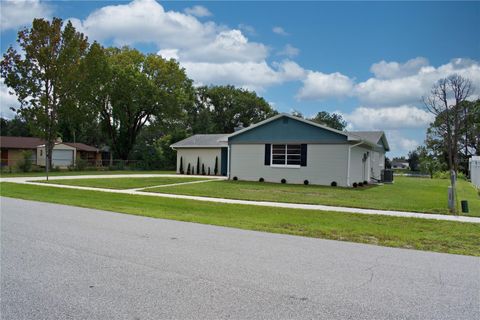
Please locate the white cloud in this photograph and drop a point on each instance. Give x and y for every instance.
(399, 144)
(198, 11)
(20, 13)
(7, 101)
(251, 75)
(247, 29)
(364, 118)
(289, 51)
(318, 85)
(280, 31)
(392, 70)
(396, 83)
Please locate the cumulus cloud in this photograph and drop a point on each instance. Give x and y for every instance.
(392, 70)
(251, 75)
(405, 116)
(397, 83)
(211, 53)
(20, 13)
(280, 31)
(7, 101)
(198, 11)
(318, 85)
(289, 51)
(399, 144)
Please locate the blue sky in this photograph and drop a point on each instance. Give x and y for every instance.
(370, 61)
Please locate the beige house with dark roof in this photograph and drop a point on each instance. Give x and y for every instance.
(64, 154)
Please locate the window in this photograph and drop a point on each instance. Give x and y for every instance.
(286, 155)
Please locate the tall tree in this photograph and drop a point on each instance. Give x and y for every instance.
(332, 120)
(42, 74)
(14, 127)
(227, 108)
(131, 90)
(445, 102)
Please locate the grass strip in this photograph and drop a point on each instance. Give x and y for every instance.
(412, 233)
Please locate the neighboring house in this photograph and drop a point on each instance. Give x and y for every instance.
(91, 155)
(399, 164)
(12, 148)
(290, 148)
(64, 153)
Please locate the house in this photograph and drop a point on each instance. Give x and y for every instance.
(13, 147)
(474, 170)
(64, 154)
(400, 164)
(290, 148)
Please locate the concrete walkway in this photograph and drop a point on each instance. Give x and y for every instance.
(31, 181)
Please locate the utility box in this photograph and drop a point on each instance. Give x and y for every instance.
(464, 204)
(387, 176)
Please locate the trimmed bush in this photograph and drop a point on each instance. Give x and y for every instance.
(261, 180)
(215, 169)
(181, 165)
(208, 170)
(333, 184)
(355, 185)
(203, 169)
(25, 162)
(306, 182)
(360, 184)
(365, 183)
(283, 181)
(235, 178)
(188, 169)
(198, 165)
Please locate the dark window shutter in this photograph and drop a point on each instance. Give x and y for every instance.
(267, 154)
(303, 155)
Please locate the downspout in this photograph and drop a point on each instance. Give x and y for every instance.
(348, 162)
(228, 161)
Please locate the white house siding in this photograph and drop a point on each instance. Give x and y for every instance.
(325, 163)
(474, 166)
(207, 157)
(377, 161)
(359, 170)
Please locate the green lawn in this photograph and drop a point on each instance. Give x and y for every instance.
(122, 183)
(406, 194)
(422, 234)
(80, 173)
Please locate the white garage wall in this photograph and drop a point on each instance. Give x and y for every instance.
(207, 156)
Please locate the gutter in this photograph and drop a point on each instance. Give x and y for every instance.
(348, 162)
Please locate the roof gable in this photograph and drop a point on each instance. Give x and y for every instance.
(287, 128)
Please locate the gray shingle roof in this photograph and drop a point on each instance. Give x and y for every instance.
(371, 136)
(203, 141)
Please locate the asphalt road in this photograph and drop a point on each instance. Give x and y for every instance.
(61, 262)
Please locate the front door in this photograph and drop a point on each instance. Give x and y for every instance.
(224, 161)
(4, 156)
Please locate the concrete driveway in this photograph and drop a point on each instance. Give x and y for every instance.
(61, 262)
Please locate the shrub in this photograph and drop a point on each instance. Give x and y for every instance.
(25, 163)
(235, 178)
(81, 164)
(355, 185)
(306, 182)
(215, 169)
(198, 165)
(360, 184)
(261, 180)
(283, 181)
(446, 175)
(365, 183)
(188, 169)
(203, 169)
(208, 170)
(333, 184)
(181, 165)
